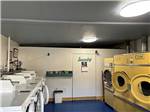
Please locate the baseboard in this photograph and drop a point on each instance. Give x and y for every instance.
(80, 98)
(51, 99)
(100, 98)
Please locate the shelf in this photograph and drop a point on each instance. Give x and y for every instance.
(59, 74)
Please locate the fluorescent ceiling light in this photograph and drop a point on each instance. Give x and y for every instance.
(137, 8)
(89, 39)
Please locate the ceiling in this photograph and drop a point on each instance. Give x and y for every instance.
(49, 23)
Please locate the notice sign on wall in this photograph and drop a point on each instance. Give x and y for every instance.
(84, 63)
(84, 66)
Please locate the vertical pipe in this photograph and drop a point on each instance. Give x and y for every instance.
(127, 46)
(8, 55)
(144, 44)
(148, 43)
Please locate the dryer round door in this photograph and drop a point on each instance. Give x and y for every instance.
(107, 76)
(140, 88)
(45, 94)
(120, 81)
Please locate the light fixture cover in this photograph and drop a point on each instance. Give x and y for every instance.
(137, 8)
(89, 39)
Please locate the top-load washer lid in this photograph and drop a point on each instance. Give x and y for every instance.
(33, 74)
(16, 79)
(27, 76)
(120, 81)
(6, 86)
(140, 88)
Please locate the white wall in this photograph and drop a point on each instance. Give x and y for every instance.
(4, 49)
(13, 44)
(35, 58)
(0, 54)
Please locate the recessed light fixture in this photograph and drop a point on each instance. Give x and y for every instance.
(135, 8)
(89, 39)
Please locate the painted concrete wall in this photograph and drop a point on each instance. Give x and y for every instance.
(35, 58)
(13, 44)
(4, 49)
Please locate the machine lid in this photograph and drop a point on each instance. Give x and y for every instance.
(120, 81)
(140, 88)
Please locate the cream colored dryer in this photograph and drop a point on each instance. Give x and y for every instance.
(107, 78)
(131, 81)
(140, 83)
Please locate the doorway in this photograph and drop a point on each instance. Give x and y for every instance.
(84, 76)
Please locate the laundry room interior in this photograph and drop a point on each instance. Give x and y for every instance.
(75, 56)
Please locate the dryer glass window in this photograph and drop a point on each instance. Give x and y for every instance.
(121, 81)
(107, 75)
(145, 88)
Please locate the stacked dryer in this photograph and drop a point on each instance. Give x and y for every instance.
(107, 79)
(107, 72)
(131, 78)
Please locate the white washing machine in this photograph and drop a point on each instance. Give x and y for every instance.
(10, 98)
(27, 76)
(40, 102)
(45, 94)
(16, 79)
(33, 73)
(42, 96)
(6, 86)
(24, 99)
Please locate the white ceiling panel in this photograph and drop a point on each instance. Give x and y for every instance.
(52, 22)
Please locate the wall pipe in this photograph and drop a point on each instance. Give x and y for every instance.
(8, 55)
